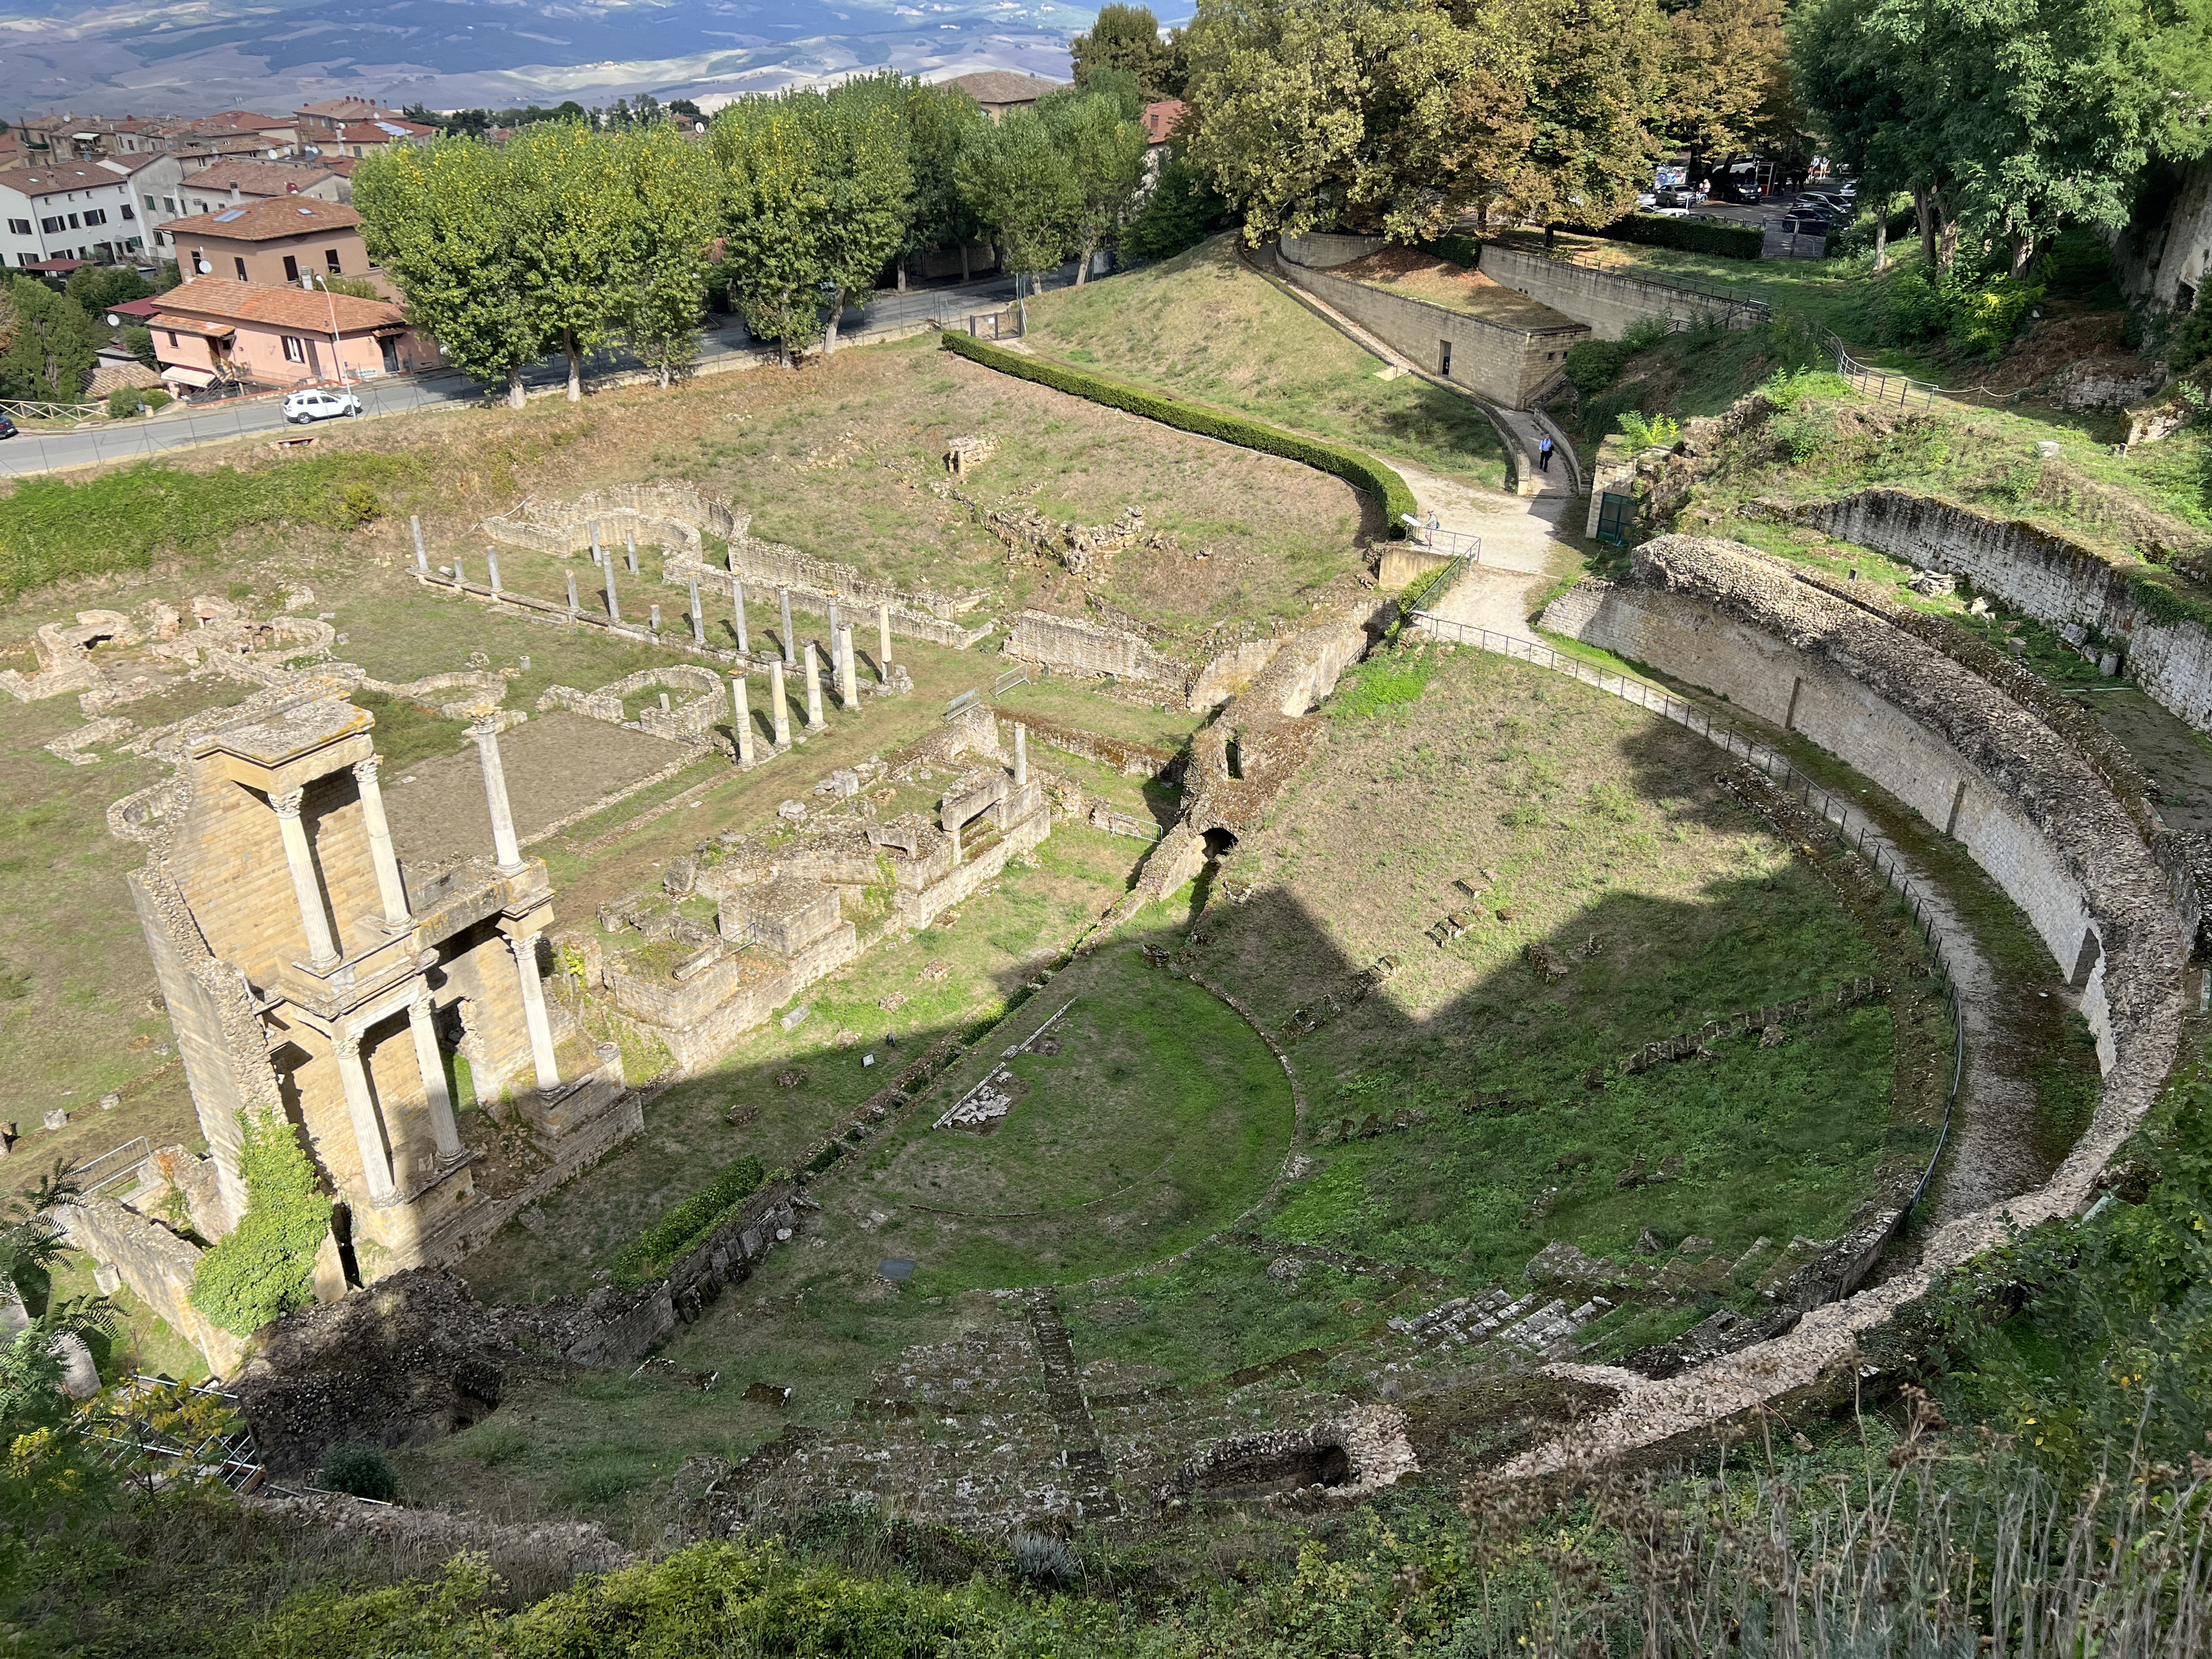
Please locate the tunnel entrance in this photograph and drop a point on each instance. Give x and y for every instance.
(1219, 841)
(1262, 1470)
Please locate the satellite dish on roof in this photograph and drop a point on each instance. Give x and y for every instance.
(202, 266)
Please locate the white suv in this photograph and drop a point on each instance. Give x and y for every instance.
(300, 407)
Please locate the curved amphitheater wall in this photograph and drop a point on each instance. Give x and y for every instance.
(2031, 812)
(2050, 578)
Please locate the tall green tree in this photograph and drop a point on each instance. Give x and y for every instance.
(1126, 38)
(1023, 188)
(1105, 153)
(871, 187)
(775, 193)
(48, 353)
(940, 120)
(1596, 73)
(580, 234)
(676, 197)
(437, 217)
(1727, 64)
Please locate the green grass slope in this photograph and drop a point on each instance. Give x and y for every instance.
(1202, 325)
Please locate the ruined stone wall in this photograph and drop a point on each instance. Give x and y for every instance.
(668, 515)
(1079, 646)
(2033, 813)
(1510, 366)
(1131, 760)
(2052, 579)
(1609, 301)
(157, 1265)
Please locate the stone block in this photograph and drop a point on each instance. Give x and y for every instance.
(784, 915)
(970, 795)
(57, 1119)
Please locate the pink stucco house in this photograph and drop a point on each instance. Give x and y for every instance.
(213, 328)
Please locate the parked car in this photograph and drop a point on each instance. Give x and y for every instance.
(1807, 224)
(315, 404)
(1822, 202)
(7, 426)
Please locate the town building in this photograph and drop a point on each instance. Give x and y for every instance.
(1161, 120)
(277, 239)
(1000, 90)
(360, 139)
(231, 184)
(323, 119)
(100, 212)
(213, 330)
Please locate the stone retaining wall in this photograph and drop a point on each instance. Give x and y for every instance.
(157, 1265)
(1609, 301)
(2032, 813)
(673, 516)
(2051, 578)
(1073, 644)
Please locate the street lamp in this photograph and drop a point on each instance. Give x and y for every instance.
(309, 281)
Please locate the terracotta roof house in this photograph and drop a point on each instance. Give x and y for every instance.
(362, 138)
(323, 118)
(233, 183)
(274, 240)
(1000, 90)
(212, 330)
(88, 211)
(1161, 119)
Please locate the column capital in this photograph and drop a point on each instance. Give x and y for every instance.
(364, 771)
(288, 804)
(421, 1004)
(348, 1038)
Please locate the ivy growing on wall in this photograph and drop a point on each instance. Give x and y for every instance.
(264, 1268)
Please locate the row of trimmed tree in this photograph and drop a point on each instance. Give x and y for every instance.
(568, 237)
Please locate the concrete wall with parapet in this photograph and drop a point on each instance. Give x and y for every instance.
(157, 1265)
(2054, 579)
(1322, 250)
(1609, 302)
(1080, 647)
(1510, 366)
(669, 515)
(2032, 813)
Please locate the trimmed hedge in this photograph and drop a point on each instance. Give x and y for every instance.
(1362, 471)
(655, 1252)
(1692, 235)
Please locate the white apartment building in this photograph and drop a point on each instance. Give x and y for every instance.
(103, 211)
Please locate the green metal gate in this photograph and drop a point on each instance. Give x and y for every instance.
(1613, 514)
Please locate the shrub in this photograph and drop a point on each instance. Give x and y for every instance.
(650, 1256)
(1649, 431)
(1593, 365)
(1644, 333)
(1983, 321)
(262, 1268)
(1976, 315)
(1362, 471)
(1042, 1560)
(1459, 250)
(122, 402)
(1182, 211)
(358, 504)
(1692, 235)
(359, 1470)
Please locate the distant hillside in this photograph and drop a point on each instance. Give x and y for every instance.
(1204, 326)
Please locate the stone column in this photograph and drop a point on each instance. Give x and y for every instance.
(956, 845)
(573, 606)
(389, 887)
(614, 611)
(738, 605)
(491, 558)
(779, 704)
(814, 720)
(306, 885)
(534, 1013)
(597, 558)
(833, 617)
(698, 619)
(460, 576)
(505, 847)
(433, 1066)
(654, 622)
(629, 543)
(1021, 755)
(742, 718)
(421, 557)
(883, 642)
(849, 679)
(790, 651)
(361, 1106)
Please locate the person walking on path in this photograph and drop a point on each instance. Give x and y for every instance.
(1544, 456)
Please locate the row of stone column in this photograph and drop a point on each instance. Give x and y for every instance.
(844, 667)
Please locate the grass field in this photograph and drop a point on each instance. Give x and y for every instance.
(1201, 325)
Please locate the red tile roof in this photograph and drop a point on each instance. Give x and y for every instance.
(382, 131)
(220, 299)
(1161, 119)
(268, 220)
(1000, 87)
(53, 178)
(257, 177)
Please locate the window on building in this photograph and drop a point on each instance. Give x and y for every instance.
(150, 204)
(240, 261)
(19, 227)
(295, 349)
(171, 333)
(49, 225)
(331, 262)
(169, 203)
(94, 217)
(128, 212)
(291, 269)
(73, 224)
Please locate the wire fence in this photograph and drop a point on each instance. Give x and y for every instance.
(119, 1163)
(1852, 825)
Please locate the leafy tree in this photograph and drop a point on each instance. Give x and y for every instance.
(775, 194)
(1728, 64)
(49, 353)
(1127, 38)
(578, 230)
(1105, 155)
(1117, 86)
(686, 108)
(940, 119)
(439, 219)
(1181, 210)
(871, 187)
(139, 342)
(1377, 117)
(96, 288)
(675, 193)
(264, 1268)
(1021, 184)
(1597, 72)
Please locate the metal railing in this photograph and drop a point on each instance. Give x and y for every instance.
(1737, 298)
(222, 1451)
(1883, 385)
(137, 1151)
(1455, 543)
(1853, 824)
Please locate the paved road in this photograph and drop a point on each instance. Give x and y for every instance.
(726, 348)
